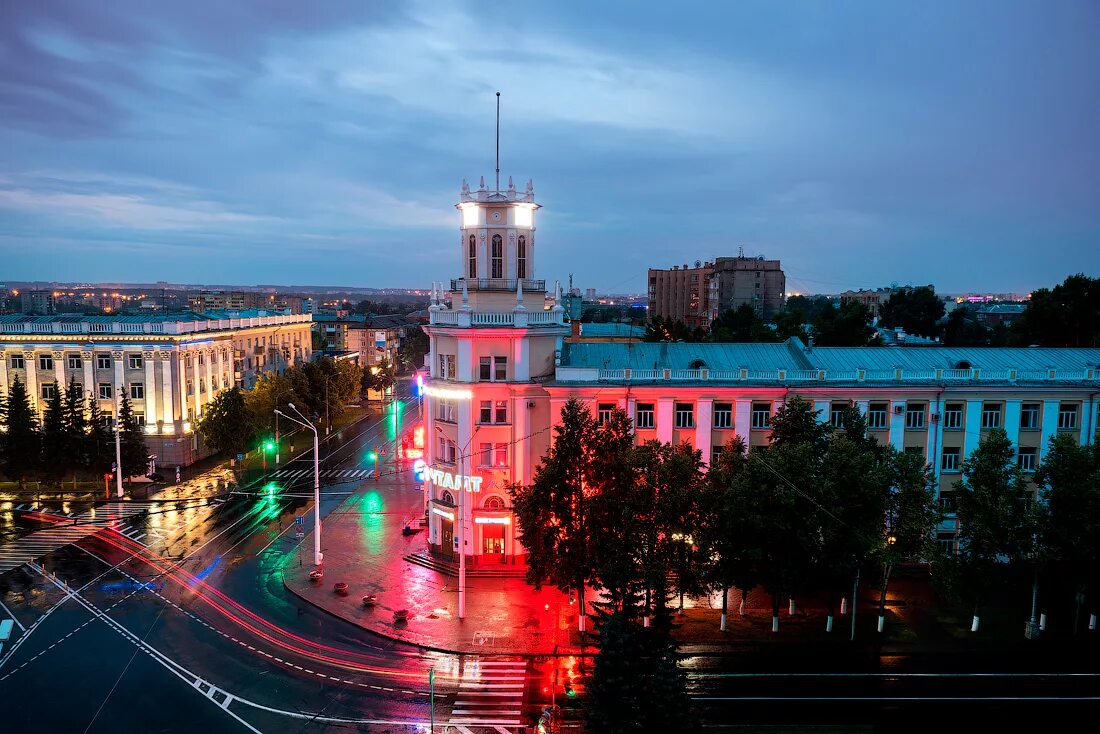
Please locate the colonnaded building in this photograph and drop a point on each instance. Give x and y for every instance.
(170, 365)
(501, 370)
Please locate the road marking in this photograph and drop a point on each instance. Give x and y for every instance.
(819, 699)
(881, 674)
(13, 617)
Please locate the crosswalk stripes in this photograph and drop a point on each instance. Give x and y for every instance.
(42, 542)
(490, 693)
(325, 474)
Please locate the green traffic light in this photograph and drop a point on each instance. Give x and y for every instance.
(372, 456)
(269, 446)
(570, 692)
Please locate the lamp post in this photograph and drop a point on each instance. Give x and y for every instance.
(318, 558)
(462, 526)
(118, 443)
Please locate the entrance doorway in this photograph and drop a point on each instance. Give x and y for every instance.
(447, 538)
(492, 543)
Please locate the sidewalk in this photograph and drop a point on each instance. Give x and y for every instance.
(364, 547)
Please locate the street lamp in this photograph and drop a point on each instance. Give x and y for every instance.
(318, 557)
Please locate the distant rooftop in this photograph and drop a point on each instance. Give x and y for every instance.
(171, 323)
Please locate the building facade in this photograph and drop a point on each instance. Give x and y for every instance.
(741, 280)
(170, 365)
(682, 294)
(499, 376)
(872, 299)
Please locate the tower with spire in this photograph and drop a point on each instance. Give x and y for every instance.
(492, 340)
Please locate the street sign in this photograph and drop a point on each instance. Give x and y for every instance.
(299, 535)
(240, 457)
(299, 520)
(177, 475)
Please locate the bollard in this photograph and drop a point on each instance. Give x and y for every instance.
(843, 605)
(1092, 621)
(1042, 623)
(974, 624)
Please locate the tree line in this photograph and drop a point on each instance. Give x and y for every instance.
(810, 515)
(1067, 315)
(73, 437)
(236, 419)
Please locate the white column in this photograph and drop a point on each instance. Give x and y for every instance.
(972, 427)
(150, 387)
(934, 447)
(1012, 421)
(897, 424)
(520, 420)
(59, 372)
(209, 375)
(521, 357)
(704, 419)
(466, 369)
(118, 361)
(665, 409)
(1050, 424)
(168, 413)
(3, 373)
(631, 409)
(220, 372)
(88, 360)
(181, 371)
(742, 419)
(196, 404)
(30, 361)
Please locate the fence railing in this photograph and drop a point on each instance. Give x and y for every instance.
(575, 374)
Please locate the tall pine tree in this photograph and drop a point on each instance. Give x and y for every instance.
(56, 456)
(19, 444)
(99, 441)
(135, 455)
(76, 425)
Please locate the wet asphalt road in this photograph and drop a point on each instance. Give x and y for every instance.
(201, 634)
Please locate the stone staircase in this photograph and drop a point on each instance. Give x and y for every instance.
(490, 571)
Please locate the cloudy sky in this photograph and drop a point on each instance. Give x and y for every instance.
(280, 141)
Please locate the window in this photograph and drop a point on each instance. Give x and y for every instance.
(914, 416)
(108, 420)
(723, 415)
(500, 369)
(105, 391)
(190, 414)
(447, 366)
(521, 257)
(48, 390)
(1067, 416)
(494, 503)
(486, 455)
(79, 387)
(953, 417)
(134, 361)
(603, 412)
(1029, 417)
(485, 369)
(137, 390)
(486, 412)
(202, 356)
(446, 450)
(991, 416)
(498, 257)
(947, 502)
(1028, 458)
(501, 454)
(140, 418)
(915, 450)
(643, 415)
(761, 415)
(45, 362)
(836, 416)
(947, 543)
(876, 416)
(225, 381)
(75, 362)
(471, 255)
(103, 361)
(202, 385)
(17, 361)
(445, 411)
(951, 456)
(501, 410)
(190, 387)
(685, 415)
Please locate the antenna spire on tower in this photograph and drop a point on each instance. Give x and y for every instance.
(498, 141)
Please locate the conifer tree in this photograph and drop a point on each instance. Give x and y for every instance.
(19, 444)
(56, 457)
(99, 441)
(76, 425)
(135, 455)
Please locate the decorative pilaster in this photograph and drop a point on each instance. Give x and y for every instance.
(87, 360)
(59, 371)
(150, 397)
(168, 414)
(30, 362)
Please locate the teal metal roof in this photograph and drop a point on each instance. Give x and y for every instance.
(980, 358)
(596, 331)
(682, 356)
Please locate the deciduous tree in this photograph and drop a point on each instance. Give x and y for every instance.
(227, 423)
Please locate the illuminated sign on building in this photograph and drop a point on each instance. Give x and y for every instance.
(448, 393)
(444, 514)
(493, 520)
(448, 480)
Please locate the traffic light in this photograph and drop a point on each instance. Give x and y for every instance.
(570, 692)
(269, 445)
(372, 456)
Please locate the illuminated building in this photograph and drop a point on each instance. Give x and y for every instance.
(500, 375)
(171, 365)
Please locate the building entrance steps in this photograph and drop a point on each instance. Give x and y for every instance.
(450, 568)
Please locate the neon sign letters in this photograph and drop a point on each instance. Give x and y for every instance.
(449, 480)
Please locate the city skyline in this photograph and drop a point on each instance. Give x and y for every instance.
(860, 145)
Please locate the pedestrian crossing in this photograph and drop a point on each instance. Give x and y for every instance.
(342, 474)
(490, 694)
(35, 545)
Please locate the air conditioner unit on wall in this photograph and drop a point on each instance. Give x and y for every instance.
(935, 417)
(899, 409)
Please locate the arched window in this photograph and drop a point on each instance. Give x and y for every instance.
(473, 256)
(498, 257)
(521, 257)
(963, 365)
(446, 498)
(494, 503)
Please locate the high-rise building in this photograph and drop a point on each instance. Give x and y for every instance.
(741, 280)
(682, 294)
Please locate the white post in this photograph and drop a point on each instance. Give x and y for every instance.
(318, 558)
(974, 624)
(829, 623)
(1092, 621)
(118, 443)
(843, 605)
(462, 534)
